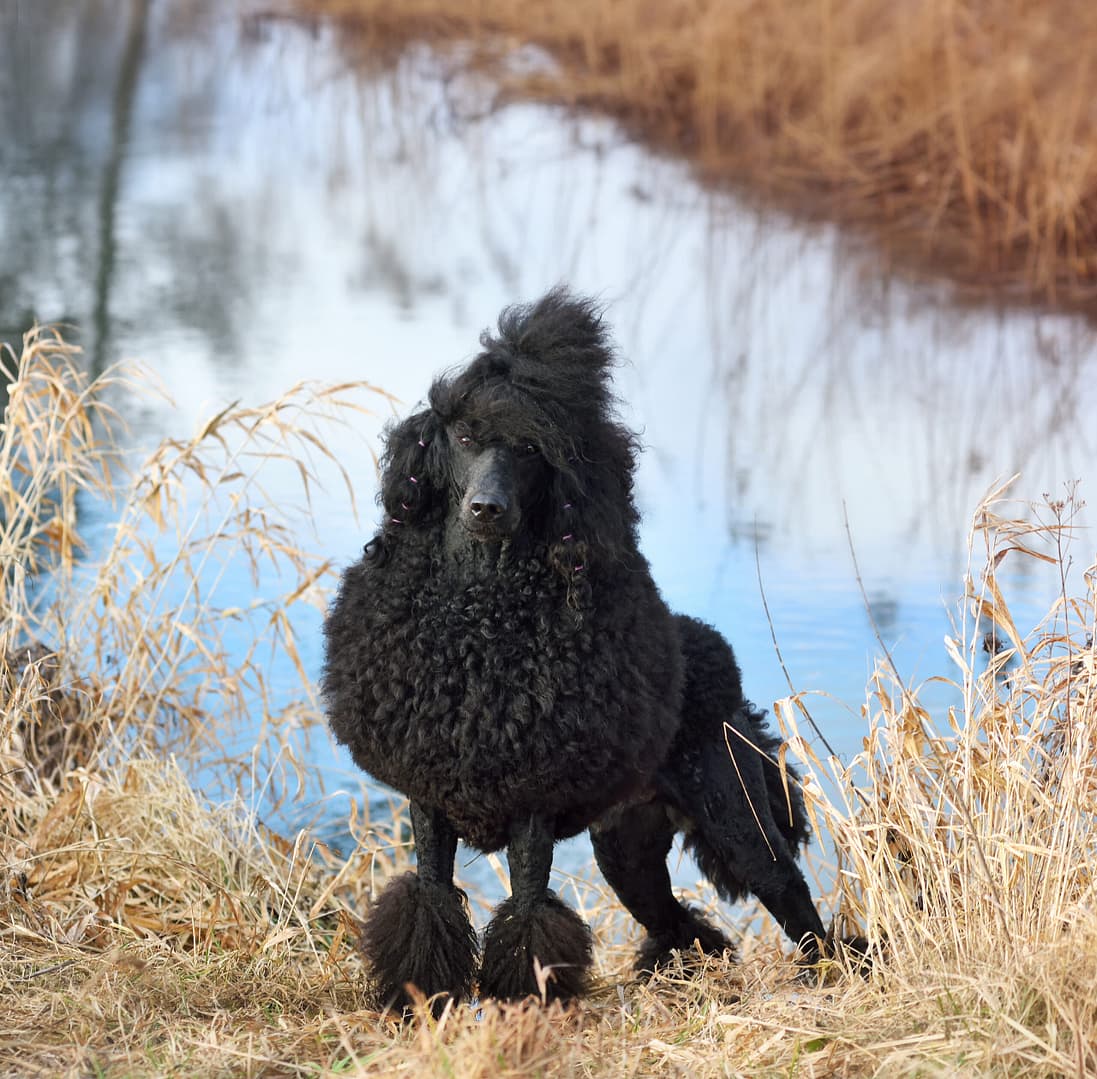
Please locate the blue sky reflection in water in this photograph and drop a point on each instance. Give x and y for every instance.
(242, 204)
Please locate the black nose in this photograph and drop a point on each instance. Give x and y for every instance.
(488, 508)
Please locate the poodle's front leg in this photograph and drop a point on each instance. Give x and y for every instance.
(534, 931)
(418, 931)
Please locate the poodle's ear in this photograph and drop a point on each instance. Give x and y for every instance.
(413, 474)
(593, 519)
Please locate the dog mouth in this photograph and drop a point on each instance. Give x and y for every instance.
(486, 531)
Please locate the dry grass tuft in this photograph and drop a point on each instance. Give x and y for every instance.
(963, 132)
(968, 843)
(153, 645)
(147, 931)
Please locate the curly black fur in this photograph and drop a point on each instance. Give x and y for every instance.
(501, 655)
(550, 932)
(418, 933)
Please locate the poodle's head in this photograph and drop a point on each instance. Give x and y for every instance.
(522, 442)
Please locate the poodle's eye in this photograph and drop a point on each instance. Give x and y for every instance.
(465, 440)
(528, 450)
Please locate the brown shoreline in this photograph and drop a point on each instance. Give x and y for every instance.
(960, 135)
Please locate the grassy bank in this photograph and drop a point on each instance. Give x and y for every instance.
(961, 133)
(147, 931)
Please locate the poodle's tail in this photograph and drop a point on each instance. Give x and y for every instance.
(736, 838)
(746, 820)
(782, 809)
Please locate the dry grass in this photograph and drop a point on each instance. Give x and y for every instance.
(963, 132)
(968, 840)
(148, 932)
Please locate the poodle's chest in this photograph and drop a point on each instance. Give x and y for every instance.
(488, 670)
(479, 654)
(496, 696)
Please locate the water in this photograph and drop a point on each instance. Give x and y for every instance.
(241, 204)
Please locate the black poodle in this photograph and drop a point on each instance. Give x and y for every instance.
(502, 656)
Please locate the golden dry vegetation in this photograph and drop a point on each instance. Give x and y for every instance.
(147, 930)
(961, 133)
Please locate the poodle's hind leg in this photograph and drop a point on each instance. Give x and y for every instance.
(736, 838)
(418, 931)
(631, 845)
(535, 945)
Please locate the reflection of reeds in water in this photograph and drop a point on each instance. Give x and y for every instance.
(963, 130)
(146, 932)
(908, 417)
(857, 391)
(786, 354)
